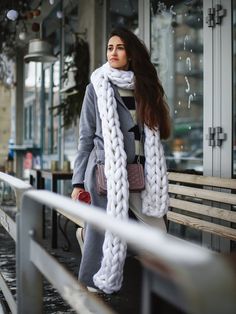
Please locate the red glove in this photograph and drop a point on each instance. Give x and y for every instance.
(84, 196)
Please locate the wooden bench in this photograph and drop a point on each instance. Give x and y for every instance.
(203, 203)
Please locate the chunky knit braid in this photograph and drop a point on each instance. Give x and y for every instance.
(110, 275)
(155, 199)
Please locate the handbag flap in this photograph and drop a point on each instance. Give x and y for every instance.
(136, 177)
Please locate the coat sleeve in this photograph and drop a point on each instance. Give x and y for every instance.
(87, 128)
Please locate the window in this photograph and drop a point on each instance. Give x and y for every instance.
(123, 13)
(31, 103)
(177, 53)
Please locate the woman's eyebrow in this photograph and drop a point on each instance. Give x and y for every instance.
(111, 45)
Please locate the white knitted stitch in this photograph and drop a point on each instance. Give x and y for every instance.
(155, 197)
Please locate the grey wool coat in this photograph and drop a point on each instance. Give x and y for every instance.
(90, 153)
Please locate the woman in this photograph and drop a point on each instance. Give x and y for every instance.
(124, 101)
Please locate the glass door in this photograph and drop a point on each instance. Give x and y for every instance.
(177, 52)
(192, 48)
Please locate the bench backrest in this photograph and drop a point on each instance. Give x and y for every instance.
(206, 196)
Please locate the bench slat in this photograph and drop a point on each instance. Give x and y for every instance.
(199, 224)
(203, 180)
(202, 209)
(216, 196)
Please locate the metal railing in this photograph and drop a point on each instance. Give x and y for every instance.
(190, 277)
(19, 187)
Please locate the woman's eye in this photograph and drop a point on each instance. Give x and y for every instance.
(109, 48)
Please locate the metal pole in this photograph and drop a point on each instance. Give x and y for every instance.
(42, 115)
(60, 145)
(29, 279)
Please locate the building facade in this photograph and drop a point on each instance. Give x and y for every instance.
(5, 125)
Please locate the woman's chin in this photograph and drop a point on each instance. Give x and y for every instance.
(118, 67)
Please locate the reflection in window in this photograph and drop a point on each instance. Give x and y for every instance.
(54, 102)
(28, 122)
(47, 108)
(177, 53)
(32, 73)
(123, 13)
(56, 76)
(51, 99)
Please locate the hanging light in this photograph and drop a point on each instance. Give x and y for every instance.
(40, 51)
(35, 27)
(59, 14)
(9, 80)
(12, 15)
(22, 36)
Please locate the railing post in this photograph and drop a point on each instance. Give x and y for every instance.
(146, 293)
(29, 279)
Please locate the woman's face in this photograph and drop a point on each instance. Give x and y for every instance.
(116, 53)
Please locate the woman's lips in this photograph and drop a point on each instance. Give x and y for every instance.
(114, 59)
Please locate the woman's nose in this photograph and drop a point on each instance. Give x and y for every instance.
(114, 51)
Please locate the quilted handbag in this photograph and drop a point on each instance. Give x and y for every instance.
(135, 178)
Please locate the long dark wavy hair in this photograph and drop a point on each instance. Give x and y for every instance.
(152, 108)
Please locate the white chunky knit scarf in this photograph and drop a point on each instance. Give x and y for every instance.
(155, 196)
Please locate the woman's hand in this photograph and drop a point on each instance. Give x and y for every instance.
(75, 193)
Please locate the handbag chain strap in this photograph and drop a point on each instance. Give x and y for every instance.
(141, 143)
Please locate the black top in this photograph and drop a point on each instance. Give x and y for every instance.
(129, 102)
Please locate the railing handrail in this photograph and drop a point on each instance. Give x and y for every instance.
(150, 240)
(189, 266)
(15, 183)
(195, 271)
(18, 185)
